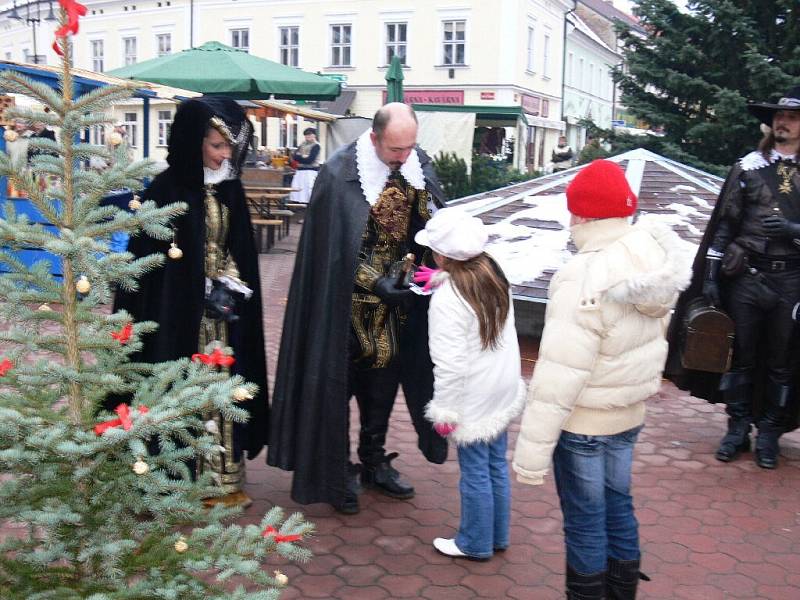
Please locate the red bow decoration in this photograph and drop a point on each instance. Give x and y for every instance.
(124, 412)
(75, 11)
(123, 336)
(215, 359)
(5, 366)
(271, 531)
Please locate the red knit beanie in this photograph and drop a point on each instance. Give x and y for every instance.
(600, 191)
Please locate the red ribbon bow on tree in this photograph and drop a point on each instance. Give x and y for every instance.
(271, 531)
(75, 10)
(123, 336)
(215, 359)
(5, 366)
(124, 412)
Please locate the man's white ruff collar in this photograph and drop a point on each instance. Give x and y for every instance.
(373, 173)
(755, 160)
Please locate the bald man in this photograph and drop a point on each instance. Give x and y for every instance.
(349, 331)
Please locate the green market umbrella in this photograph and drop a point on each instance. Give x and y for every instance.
(215, 68)
(394, 81)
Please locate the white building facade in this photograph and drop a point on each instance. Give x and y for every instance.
(505, 53)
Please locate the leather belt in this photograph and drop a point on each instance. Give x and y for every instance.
(767, 264)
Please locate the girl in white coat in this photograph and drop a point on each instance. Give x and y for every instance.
(477, 385)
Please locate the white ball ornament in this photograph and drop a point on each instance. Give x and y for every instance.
(281, 578)
(140, 467)
(44, 308)
(174, 252)
(83, 285)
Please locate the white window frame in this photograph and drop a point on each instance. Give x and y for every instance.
(341, 46)
(128, 57)
(288, 132)
(546, 55)
(98, 59)
(131, 126)
(291, 50)
(570, 72)
(530, 66)
(581, 66)
(164, 126)
(396, 44)
(97, 135)
(161, 37)
(236, 35)
(454, 42)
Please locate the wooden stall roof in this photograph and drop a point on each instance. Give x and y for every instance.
(529, 222)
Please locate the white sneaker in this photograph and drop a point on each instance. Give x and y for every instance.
(448, 547)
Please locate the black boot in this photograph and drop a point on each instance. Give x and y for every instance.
(772, 424)
(386, 479)
(585, 587)
(349, 505)
(738, 401)
(622, 579)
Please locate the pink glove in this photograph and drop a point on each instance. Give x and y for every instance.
(444, 429)
(424, 275)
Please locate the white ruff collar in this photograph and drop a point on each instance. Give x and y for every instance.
(373, 173)
(755, 160)
(211, 176)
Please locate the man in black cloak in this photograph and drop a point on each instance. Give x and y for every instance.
(749, 265)
(212, 267)
(348, 330)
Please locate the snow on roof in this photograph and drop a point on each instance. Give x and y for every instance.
(528, 222)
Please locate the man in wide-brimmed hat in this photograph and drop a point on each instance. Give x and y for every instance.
(749, 265)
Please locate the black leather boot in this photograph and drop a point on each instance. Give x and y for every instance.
(622, 579)
(386, 479)
(585, 587)
(738, 402)
(772, 425)
(349, 505)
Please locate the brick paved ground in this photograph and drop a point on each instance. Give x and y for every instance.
(709, 531)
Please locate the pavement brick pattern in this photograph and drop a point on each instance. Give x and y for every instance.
(709, 531)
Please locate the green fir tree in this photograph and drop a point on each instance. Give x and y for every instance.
(695, 71)
(114, 514)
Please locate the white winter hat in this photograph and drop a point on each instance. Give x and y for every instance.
(454, 233)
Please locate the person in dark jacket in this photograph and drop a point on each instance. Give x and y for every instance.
(306, 157)
(207, 294)
(348, 330)
(749, 265)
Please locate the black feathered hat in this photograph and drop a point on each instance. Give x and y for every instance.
(764, 111)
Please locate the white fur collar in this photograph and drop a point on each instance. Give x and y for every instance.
(211, 176)
(373, 173)
(755, 160)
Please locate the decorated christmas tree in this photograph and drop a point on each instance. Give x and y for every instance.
(107, 505)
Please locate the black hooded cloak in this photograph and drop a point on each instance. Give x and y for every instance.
(310, 405)
(173, 295)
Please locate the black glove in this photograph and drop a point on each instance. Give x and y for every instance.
(778, 226)
(710, 285)
(222, 303)
(389, 294)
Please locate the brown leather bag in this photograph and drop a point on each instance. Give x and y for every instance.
(707, 338)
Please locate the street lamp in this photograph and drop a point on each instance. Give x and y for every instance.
(33, 16)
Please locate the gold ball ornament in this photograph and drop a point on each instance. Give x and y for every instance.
(174, 252)
(114, 138)
(135, 203)
(181, 546)
(83, 285)
(281, 578)
(10, 135)
(242, 393)
(140, 467)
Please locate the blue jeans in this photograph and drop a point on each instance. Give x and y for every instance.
(485, 497)
(593, 478)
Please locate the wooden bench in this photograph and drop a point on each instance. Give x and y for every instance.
(259, 227)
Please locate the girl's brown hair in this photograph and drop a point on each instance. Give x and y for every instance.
(481, 282)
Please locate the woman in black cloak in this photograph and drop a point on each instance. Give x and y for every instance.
(212, 266)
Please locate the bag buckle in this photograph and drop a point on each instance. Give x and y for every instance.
(777, 265)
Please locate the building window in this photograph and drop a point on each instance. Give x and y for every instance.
(288, 132)
(98, 54)
(240, 39)
(570, 59)
(129, 50)
(129, 123)
(164, 125)
(546, 56)
(531, 47)
(455, 41)
(8, 55)
(396, 41)
(290, 46)
(579, 82)
(163, 44)
(341, 48)
(545, 108)
(97, 135)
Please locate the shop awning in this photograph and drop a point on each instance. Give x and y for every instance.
(482, 112)
(273, 108)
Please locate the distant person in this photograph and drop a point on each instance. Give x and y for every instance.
(477, 389)
(591, 151)
(17, 149)
(562, 155)
(601, 356)
(307, 158)
(39, 131)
